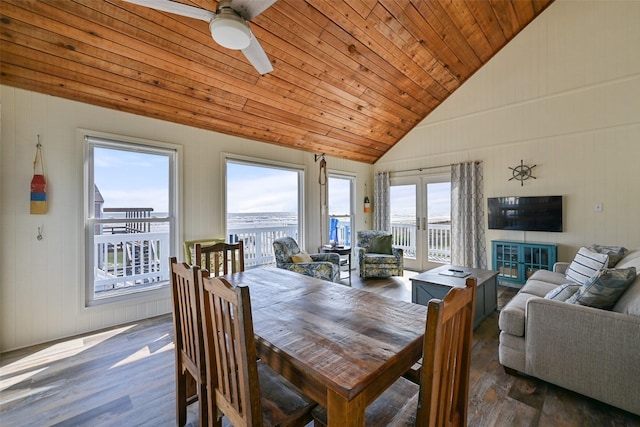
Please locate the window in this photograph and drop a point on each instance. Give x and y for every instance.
(340, 209)
(264, 202)
(130, 213)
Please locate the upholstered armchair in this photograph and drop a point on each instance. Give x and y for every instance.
(376, 256)
(324, 266)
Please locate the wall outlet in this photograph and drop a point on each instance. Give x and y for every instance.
(598, 207)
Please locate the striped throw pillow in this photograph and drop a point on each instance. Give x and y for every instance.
(585, 265)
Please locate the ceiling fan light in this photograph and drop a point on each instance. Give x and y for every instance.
(230, 31)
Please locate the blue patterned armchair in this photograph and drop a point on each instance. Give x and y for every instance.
(376, 256)
(323, 266)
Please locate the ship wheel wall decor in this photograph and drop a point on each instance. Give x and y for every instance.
(522, 172)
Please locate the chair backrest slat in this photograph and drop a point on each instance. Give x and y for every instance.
(230, 354)
(221, 258)
(447, 358)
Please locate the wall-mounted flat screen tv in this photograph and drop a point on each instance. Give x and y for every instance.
(540, 213)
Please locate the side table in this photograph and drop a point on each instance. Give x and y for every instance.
(343, 251)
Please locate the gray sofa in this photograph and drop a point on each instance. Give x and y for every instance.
(591, 351)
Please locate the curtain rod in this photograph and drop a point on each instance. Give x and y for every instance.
(429, 167)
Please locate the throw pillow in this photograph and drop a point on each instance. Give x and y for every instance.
(585, 265)
(616, 253)
(381, 245)
(563, 292)
(605, 288)
(301, 256)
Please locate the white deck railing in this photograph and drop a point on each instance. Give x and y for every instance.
(438, 242)
(125, 261)
(258, 242)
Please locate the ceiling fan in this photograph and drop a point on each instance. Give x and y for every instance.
(228, 24)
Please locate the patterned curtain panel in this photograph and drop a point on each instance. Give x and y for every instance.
(381, 208)
(468, 246)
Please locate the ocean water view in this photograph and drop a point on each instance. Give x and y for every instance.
(245, 220)
(263, 219)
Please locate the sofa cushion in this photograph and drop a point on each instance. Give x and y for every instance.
(381, 245)
(512, 316)
(585, 265)
(512, 352)
(538, 288)
(632, 259)
(629, 302)
(563, 292)
(605, 288)
(549, 276)
(616, 253)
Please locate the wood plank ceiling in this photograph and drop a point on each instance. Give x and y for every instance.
(351, 77)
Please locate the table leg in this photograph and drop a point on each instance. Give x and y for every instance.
(343, 413)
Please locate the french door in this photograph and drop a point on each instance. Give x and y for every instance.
(421, 220)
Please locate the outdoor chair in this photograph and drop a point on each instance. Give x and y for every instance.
(324, 266)
(441, 398)
(189, 351)
(376, 255)
(241, 387)
(221, 258)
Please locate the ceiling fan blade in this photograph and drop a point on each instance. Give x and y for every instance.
(177, 8)
(249, 9)
(257, 56)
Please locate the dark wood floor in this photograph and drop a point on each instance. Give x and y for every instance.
(125, 376)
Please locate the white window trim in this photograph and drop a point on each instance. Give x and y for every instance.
(175, 199)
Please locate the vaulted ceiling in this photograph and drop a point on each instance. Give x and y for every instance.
(350, 79)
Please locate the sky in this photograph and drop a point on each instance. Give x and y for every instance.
(131, 179)
(403, 200)
(261, 189)
(127, 179)
(264, 189)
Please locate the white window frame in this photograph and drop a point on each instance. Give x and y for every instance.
(90, 139)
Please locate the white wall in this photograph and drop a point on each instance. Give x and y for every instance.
(564, 95)
(41, 282)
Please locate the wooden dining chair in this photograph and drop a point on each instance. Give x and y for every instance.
(221, 258)
(190, 250)
(441, 397)
(189, 346)
(244, 389)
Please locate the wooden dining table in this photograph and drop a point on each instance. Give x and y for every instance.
(341, 346)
